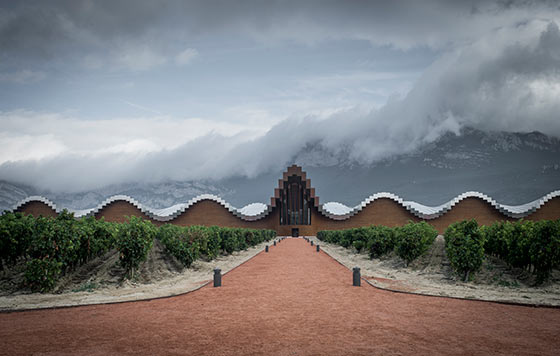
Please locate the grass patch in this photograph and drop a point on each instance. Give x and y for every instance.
(86, 287)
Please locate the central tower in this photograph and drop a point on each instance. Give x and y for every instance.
(294, 197)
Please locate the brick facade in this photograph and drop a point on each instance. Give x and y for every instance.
(381, 211)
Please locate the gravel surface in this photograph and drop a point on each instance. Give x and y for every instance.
(290, 301)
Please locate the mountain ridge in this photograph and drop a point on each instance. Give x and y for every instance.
(513, 168)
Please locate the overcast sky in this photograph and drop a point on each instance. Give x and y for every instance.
(101, 92)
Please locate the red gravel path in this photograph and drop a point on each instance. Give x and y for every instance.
(291, 301)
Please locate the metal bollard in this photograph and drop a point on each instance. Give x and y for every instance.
(274, 242)
(266, 248)
(217, 277)
(356, 279)
(317, 248)
(311, 243)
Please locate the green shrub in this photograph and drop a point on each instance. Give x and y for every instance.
(496, 238)
(229, 240)
(346, 238)
(358, 245)
(214, 242)
(57, 239)
(519, 243)
(188, 243)
(43, 241)
(242, 238)
(360, 237)
(53, 247)
(16, 232)
(337, 236)
(59, 245)
(545, 248)
(413, 239)
(464, 244)
(321, 235)
(381, 240)
(41, 275)
(179, 242)
(526, 244)
(134, 241)
(377, 240)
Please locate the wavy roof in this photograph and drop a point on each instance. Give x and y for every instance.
(434, 212)
(332, 210)
(258, 212)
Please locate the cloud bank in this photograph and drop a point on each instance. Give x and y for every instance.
(508, 79)
(497, 67)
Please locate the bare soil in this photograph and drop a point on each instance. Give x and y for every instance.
(290, 301)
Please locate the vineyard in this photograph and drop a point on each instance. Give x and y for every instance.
(48, 249)
(531, 246)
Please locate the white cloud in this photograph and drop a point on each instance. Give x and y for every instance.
(508, 79)
(94, 137)
(186, 56)
(29, 147)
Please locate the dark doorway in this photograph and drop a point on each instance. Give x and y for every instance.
(295, 232)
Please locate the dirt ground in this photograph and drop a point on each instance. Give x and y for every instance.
(431, 274)
(290, 301)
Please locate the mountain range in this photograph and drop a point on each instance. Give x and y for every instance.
(512, 168)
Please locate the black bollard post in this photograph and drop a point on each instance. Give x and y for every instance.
(274, 242)
(217, 277)
(266, 248)
(317, 248)
(311, 243)
(356, 279)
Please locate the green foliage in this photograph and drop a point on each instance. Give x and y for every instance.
(52, 247)
(188, 243)
(359, 237)
(41, 275)
(229, 239)
(356, 237)
(214, 242)
(346, 238)
(358, 245)
(545, 248)
(497, 238)
(526, 244)
(134, 241)
(178, 243)
(60, 245)
(381, 240)
(464, 244)
(413, 239)
(16, 230)
(331, 236)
